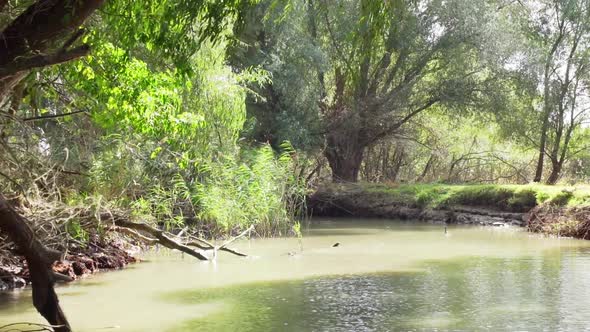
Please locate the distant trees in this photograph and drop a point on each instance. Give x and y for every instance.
(361, 70)
(551, 67)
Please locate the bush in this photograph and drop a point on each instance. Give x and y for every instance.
(522, 200)
(561, 198)
(255, 191)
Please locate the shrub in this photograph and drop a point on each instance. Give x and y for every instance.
(522, 200)
(561, 198)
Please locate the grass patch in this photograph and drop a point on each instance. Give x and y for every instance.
(516, 198)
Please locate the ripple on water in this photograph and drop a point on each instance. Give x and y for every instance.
(478, 279)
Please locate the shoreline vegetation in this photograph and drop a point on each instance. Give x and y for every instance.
(92, 244)
(85, 239)
(551, 210)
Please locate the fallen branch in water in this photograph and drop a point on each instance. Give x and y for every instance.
(26, 327)
(159, 236)
(227, 243)
(209, 246)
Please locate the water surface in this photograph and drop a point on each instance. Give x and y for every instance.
(384, 276)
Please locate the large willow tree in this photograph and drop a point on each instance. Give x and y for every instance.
(373, 65)
(390, 61)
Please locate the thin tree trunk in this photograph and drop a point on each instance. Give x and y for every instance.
(542, 146)
(547, 102)
(426, 168)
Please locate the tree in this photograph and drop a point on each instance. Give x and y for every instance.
(374, 65)
(45, 33)
(554, 62)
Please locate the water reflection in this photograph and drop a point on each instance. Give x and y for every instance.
(549, 292)
(385, 276)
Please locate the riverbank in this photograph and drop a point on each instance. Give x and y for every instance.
(84, 239)
(80, 261)
(552, 210)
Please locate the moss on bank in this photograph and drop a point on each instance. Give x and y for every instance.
(514, 198)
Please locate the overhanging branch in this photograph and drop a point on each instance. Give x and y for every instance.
(39, 61)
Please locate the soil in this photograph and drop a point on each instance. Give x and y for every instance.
(80, 262)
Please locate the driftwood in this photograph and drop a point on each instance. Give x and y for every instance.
(39, 260)
(158, 236)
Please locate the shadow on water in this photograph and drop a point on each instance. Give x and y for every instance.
(464, 294)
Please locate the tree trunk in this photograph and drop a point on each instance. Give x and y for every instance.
(426, 169)
(345, 157)
(39, 260)
(542, 144)
(398, 160)
(555, 172)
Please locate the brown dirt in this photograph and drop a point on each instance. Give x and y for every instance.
(78, 263)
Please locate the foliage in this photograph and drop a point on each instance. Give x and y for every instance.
(371, 74)
(166, 116)
(252, 190)
(520, 198)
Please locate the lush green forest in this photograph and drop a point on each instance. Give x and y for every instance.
(174, 121)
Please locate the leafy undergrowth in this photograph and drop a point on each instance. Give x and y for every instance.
(515, 198)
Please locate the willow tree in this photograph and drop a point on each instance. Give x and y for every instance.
(371, 66)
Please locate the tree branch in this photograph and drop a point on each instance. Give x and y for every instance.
(39, 61)
(52, 116)
(160, 236)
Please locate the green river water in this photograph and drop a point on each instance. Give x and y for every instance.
(384, 276)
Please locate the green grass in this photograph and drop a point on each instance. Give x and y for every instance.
(517, 198)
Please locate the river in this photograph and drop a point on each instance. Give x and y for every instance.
(384, 276)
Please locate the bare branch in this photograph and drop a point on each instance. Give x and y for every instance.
(52, 116)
